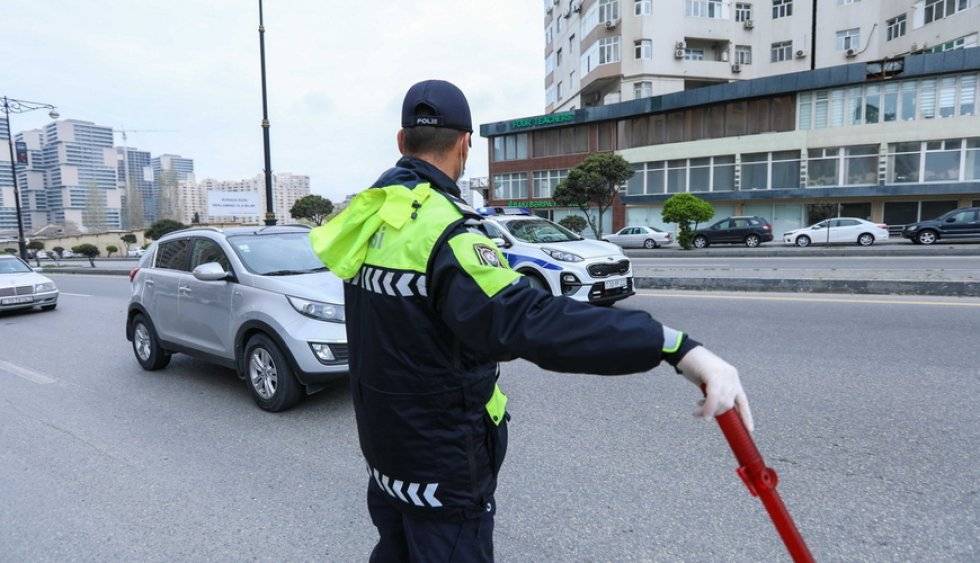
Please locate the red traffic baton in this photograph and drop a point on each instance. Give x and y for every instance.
(761, 482)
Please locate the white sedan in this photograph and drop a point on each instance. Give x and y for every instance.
(837, 231)
(640, 237)
(23, 288)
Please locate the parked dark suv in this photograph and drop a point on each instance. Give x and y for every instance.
(958, 223)
(751, 231)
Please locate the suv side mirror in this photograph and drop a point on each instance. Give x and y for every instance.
(211, 271)
(500, 242)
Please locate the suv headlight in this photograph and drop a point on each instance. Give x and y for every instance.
(329, 312)
(563, 256)
(44, 287)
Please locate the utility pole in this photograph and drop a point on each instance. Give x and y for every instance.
(270, 215)
(20, 106)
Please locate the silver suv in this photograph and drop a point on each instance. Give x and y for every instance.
(254, 299)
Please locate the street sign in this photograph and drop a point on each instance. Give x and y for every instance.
(225, 204)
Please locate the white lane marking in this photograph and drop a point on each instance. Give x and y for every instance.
(76, 294)
(811, 299)
(25, 373)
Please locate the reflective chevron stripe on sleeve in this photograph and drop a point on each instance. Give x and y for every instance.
(407, 492)
(390, 282)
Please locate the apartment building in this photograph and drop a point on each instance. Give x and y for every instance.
(191, 198)
(600, 52)
(892, 141)
(140, 195)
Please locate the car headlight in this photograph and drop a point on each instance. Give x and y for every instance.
(563, 256)
(45, 287)
(329, 312)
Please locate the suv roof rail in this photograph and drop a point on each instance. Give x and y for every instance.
(307, 227)
(198, 228)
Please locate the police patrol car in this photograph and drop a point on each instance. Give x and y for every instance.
(557, 260)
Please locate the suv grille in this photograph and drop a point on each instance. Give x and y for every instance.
(19, 290)
(604, 269)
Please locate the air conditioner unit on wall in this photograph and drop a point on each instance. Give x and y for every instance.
(611, 24)
(800, 54)
(850, 53)
(736, 68)
(678, 53)
(679, 45)
(748, 24)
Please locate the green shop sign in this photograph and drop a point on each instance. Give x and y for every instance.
(553, 119)
(538, 203)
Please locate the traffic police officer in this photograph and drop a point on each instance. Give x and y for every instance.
(432, 307)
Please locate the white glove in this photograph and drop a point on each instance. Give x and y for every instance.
(722, 385)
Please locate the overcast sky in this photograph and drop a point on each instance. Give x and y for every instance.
(337, 72)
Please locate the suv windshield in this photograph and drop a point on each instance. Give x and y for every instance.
(13, 266)
(539, 231)
(279, 254)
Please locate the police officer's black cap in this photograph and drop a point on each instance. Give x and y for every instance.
(436, 103)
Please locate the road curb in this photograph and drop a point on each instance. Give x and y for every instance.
(873, 287)
(88, 271)
(843, 252)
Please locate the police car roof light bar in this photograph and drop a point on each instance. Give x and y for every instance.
(761, 482)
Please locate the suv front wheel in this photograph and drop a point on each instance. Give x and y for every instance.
(700, 241)
(269, 377)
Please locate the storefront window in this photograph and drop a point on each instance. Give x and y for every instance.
(933, 209)
(755, 171)
(785, 170)
(861, 165)
(943, 160)
(861, 210)
(903, 162)
(823, 167)
(723, 173)
(901, 212)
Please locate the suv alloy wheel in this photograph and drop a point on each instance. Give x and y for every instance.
(146, 346)
(700, 241)
(269, 376)
(752, 241)
(926, 237)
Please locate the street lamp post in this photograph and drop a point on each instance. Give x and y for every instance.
(11, 105)
(270, 215)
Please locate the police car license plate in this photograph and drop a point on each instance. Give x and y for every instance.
(614, 284)
(16, 300)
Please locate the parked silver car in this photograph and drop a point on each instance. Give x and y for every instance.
(639, 237)
(23, 288)
(254, 299)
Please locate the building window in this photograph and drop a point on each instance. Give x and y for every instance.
(558, 21)
(743, 54)
(781, 51)
(973, 162)
(642, 7)
(743, 11)
(959, 43)
(559, 92)
(723, 173)
(510, 147)
(782, 8)
(510, 186)
(861, 165)
(643, 49)
(895, 27)
(777, 170)
(608, 10)
(571, 80)
(549, 63)
(849, 39)
(545, 181)
(823, 167)
(643, 89)
(558, 58)
(938, 9)
(968, 95)
(943, 161)
(755, 171)
(785, 170)
(703, 8)
(904, 162)
(548, 36)
(571, 43)
(608, 50)
(693, 54)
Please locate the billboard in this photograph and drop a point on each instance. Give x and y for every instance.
(223, 204)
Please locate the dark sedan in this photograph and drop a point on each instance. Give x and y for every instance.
(750, 231)
(957, 224)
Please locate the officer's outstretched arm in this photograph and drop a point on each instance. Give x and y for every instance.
(493, 309)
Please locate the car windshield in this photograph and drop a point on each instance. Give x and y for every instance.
(538, 231)
(277, 254)
(13, 266)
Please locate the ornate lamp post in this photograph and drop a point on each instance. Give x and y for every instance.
(270, 215)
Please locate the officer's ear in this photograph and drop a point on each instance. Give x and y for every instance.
(465, 141)
(400, 137)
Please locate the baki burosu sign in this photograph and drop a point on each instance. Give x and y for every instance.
(541, 120)
(223, 204)
(530, 204)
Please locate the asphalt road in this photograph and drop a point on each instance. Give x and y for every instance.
(866, 406)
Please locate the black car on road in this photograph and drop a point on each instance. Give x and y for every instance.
(750, 231)
(957, 224)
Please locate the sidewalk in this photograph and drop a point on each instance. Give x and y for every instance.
(894, 247)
